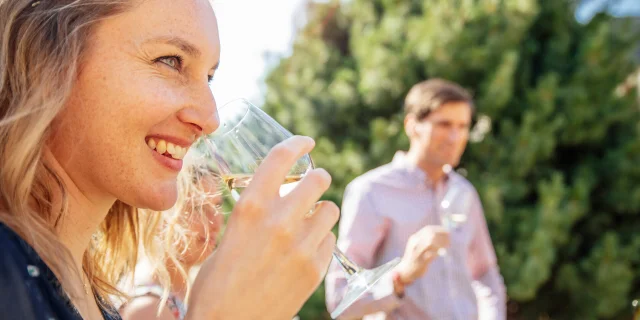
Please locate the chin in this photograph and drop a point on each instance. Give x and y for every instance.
(452, 161)
(164, 204)
(454, 164)
(163, 207)
(158, 199)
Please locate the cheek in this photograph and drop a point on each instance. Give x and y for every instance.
(130, 96)
(462, 143)
(104, 125)
(143, 104)
(435, 138)
(114, 105)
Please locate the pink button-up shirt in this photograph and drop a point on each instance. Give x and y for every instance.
(381, 210)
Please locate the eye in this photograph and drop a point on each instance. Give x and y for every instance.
(444, 124)
(174, 62)
(210, 78)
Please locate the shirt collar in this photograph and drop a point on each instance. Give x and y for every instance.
(414, 174)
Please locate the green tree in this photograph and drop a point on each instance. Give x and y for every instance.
(554, 152)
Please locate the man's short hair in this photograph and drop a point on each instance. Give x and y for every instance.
(429, 95)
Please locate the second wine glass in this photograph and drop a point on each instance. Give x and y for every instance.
(454, 207)
(244, 138)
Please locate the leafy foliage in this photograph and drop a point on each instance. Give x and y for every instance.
(554, 152)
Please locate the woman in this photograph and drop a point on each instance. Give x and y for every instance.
(85, 85)
(200, 218)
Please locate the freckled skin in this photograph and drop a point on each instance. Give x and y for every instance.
(124, 94)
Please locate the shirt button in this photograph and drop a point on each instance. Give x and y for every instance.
(33, 270)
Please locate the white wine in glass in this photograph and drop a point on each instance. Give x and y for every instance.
(237, 182)
(245, 136)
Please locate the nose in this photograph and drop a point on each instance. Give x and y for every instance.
(454, 134)
(458, 133)
(200, 111)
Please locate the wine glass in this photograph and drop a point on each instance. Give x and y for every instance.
(454, 207)
(244, 138)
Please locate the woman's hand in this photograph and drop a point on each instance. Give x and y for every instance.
(271, 258)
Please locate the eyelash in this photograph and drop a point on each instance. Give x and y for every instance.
(179, 60)
(176, 57)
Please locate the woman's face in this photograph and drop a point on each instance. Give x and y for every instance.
(141, 98)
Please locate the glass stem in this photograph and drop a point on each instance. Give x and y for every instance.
(348, 266)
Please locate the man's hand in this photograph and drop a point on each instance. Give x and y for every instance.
(420, 251)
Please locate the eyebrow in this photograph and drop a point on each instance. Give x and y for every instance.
(178, 42)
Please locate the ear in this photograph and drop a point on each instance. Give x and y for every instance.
(410, 125)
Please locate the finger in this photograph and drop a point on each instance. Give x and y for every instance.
(434, 229)
(275, 166)
(443, 232)
(325, 253)
(440, 243)
(444, 240)
(304, 196)
(319, 224)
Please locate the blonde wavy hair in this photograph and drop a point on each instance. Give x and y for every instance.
(41, 50)
(195, 192)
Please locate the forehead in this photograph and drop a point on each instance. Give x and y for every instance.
(192, 20)
(452, 111)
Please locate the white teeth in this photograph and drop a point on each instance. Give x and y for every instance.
(161, 146)
(179, 152)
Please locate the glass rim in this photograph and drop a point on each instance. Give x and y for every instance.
(247, 106)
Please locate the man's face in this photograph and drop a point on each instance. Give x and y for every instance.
(442, 136)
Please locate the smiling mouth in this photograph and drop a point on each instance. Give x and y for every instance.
(167, 149)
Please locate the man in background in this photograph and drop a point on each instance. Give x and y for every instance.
(446, 272)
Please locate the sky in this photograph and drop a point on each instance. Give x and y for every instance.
(248, 29)
(618, 8)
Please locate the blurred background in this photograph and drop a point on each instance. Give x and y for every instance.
(555, 147)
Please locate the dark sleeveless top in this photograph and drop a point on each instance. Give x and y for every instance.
(28, 288)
